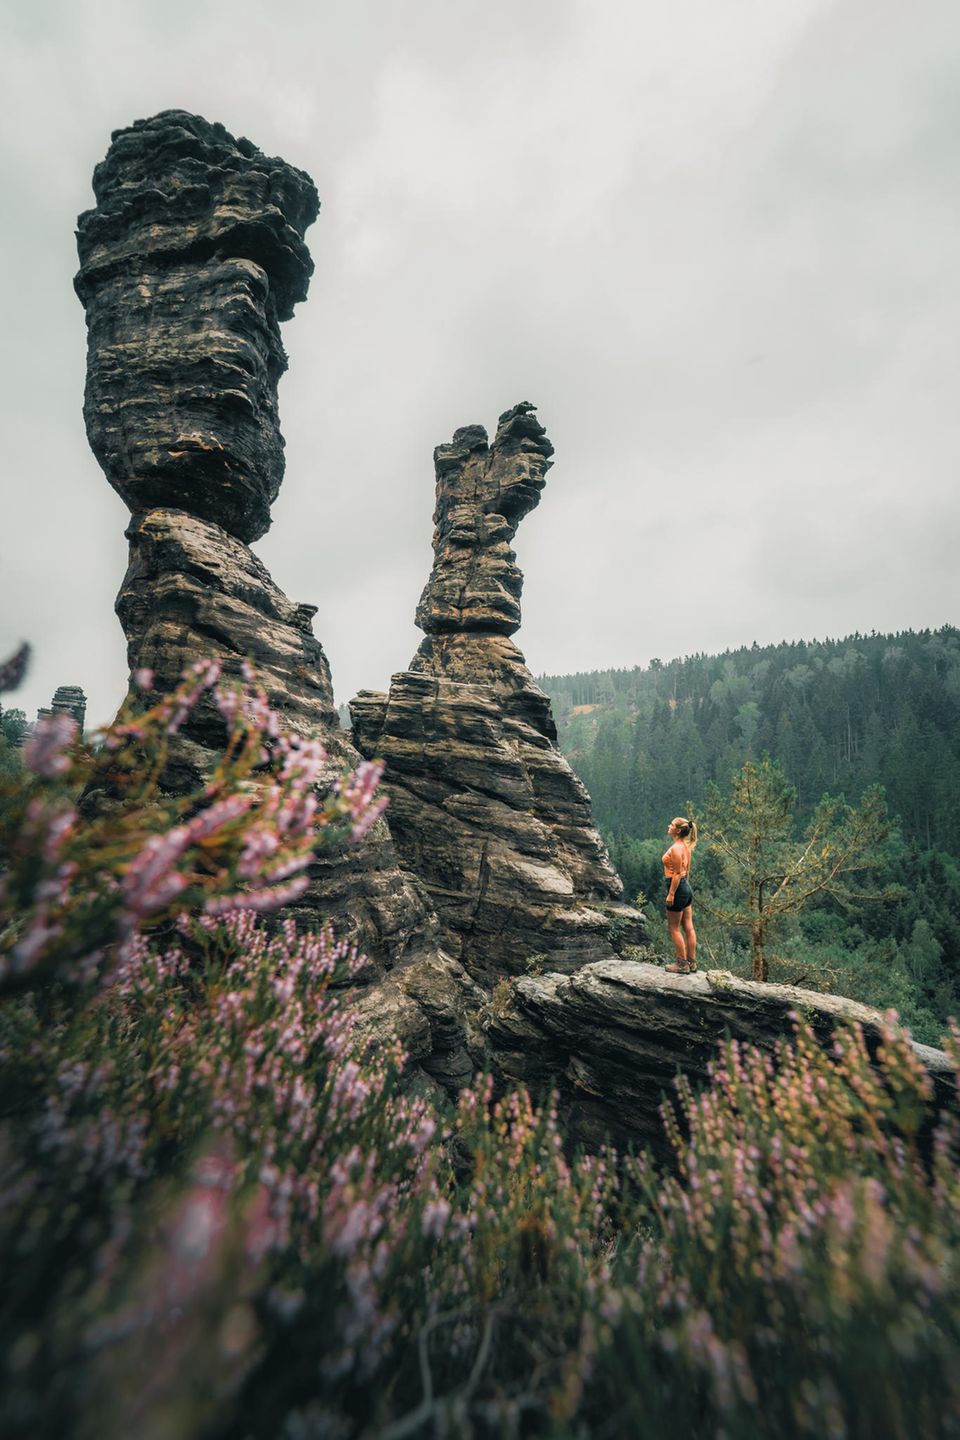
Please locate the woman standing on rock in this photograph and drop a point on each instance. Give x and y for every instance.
(676, 868)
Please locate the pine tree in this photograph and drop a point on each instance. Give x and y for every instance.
(770, 873)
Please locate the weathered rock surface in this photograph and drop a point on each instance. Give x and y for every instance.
(483, 492)
(193, 255)
(484, 809)
(613, 1036)
(192, 590)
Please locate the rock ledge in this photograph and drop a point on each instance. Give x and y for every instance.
(613, 1036)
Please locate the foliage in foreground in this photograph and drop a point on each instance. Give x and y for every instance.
(72, 887)
(222, 1217)
(221, 1220)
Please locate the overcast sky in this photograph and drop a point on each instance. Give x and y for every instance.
(715, 241)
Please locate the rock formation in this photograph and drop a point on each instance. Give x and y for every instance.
(191, 258)
(67, 700)
(613, 1036)
(483, 807)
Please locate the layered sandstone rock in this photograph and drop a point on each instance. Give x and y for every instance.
(613, 1037)
(67, 700)
(192, 590)
(192, 257)
(483, 807)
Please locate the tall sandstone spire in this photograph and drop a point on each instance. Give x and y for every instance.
(483, 807)
(192, 257)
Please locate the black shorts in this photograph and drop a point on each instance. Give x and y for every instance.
(683, 895)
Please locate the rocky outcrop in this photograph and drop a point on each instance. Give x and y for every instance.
(191, 258)
(613, 1037)
(483, 807)
(67, 700)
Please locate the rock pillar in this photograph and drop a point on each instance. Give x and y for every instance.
(484, 809)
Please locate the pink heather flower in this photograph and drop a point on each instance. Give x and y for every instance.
(41, 932)
(201, 676)
(258, 900)
(220, 813)
(304, 761)
(118, 733)
(289, 867)
(143, 678)
(423, 1135)
(58, 825)
(257, 710)
(44, 750)
(358, 791)
(258, 847)
(228, 703)
(150, 881)
(207, 671)
(369, 819)
(436, 1213)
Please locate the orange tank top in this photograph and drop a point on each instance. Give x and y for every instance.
(676, 860)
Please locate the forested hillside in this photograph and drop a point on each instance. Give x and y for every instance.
(839, 716)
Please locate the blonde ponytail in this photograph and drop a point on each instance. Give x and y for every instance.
(686, 830)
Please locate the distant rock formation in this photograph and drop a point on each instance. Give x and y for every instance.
(192, 257)
(67, 700)
(484, 809)
(613, 1037)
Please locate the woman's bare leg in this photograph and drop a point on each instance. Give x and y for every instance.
(676, 935)
(690, 935)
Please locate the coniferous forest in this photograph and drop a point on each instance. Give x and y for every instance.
(837, 717)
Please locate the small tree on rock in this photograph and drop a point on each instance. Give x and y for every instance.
(772, 874)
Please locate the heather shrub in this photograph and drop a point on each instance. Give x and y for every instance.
(794, 1273)
(210, 1163)
(179, 1097)
(517, 1272)
(69, 890)
(233, 1224)
(801, 1275)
